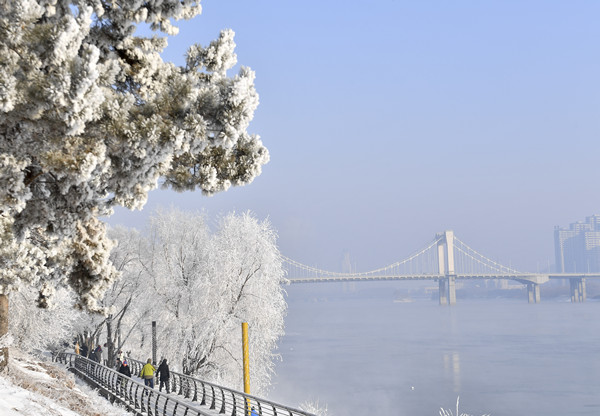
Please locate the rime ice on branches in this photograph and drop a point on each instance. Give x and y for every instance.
(92, 117)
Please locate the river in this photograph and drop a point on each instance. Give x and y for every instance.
(368, 355)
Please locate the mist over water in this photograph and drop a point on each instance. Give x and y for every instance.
(365, 354)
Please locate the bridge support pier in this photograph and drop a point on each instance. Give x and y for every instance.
(452, 290)
(533, 292)
(447, 289)
(442, 290)
(578, 293)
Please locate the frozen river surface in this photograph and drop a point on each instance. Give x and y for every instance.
(502, 357)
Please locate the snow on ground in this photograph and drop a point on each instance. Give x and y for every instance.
(34, 387)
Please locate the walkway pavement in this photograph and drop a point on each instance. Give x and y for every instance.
(195, 405)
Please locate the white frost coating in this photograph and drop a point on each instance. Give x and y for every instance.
(92, 117)
(200, 284)
(6, 341)
(34, 328)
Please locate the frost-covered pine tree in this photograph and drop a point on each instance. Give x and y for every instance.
(92, 117)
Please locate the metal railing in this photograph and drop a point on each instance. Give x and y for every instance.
(220, 399)
(135, 395)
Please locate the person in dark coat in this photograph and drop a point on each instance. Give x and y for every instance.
(126, 371)
(98, 354)
(84, 350)
(163, 371)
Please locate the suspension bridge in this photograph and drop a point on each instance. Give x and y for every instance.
(446, 259)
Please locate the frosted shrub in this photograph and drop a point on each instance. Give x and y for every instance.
(315, 407)
(449, 412)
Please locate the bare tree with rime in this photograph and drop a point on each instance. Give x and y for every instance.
(199, 284)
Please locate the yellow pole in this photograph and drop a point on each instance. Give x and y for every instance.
(246, 354)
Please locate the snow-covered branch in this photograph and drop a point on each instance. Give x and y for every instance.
(92, 117)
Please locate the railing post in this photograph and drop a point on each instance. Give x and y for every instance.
(222, 401)
(156, 405)
(142, 407)
(213, 403)
(137, 387)
(203, 402)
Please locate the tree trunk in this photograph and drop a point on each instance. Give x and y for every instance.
(109, 342)
(3, 330)
(119, 343)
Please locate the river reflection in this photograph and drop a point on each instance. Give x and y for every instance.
(502, 357)
(452, 368)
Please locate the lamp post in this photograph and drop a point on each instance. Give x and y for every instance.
(246, 361)
(154, 342)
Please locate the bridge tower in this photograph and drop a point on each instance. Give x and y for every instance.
(445, 247)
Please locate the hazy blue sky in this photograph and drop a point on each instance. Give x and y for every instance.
(389, 121)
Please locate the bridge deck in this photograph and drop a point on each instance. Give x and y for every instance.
(471, 276)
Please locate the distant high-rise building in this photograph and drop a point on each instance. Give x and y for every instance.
(577, 248)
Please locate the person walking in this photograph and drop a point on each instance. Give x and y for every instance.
(163, 374)
(98, 354)
(104, 355)
(126, 371)
(77, 347)
(84, 350)
(147, 373)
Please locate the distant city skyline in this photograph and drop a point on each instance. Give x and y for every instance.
(577, 247)
(390, 122)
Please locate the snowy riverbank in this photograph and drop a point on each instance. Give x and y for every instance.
(34, 387)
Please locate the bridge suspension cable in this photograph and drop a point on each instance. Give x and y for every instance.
(422, 263)
(482, 260)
